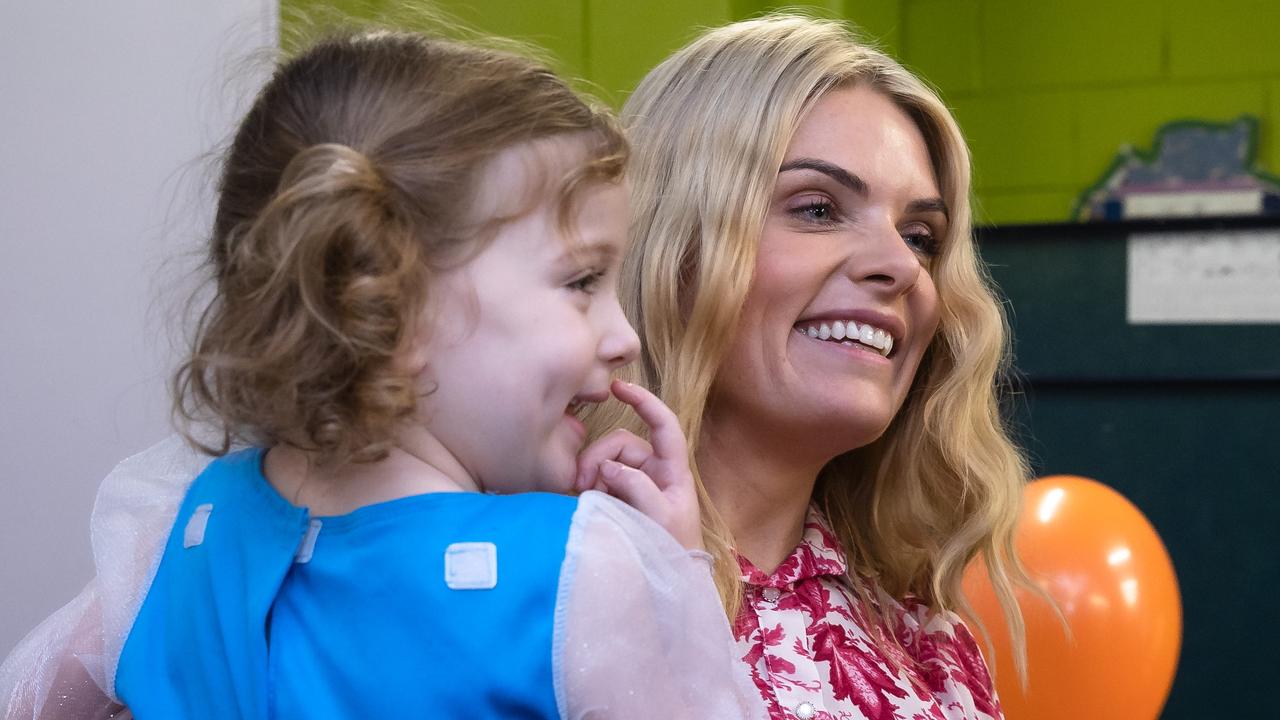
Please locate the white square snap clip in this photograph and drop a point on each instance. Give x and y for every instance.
(193, 534)
(471, 566)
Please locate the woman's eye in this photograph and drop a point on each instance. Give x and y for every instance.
(922, 240)
(586, 283)
(815, 209)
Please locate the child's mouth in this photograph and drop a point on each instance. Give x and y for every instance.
(580, 402)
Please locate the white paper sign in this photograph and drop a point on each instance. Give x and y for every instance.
(1214, 277)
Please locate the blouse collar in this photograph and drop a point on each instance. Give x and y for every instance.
(819, 553)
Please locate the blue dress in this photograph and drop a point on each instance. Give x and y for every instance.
(436, 605)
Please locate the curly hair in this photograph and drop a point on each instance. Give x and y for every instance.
(943, 483)
(346, 185)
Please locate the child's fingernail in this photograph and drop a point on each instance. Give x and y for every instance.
(610, 469)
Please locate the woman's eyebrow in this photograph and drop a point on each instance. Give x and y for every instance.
(858, 185)
(835, 172)
(929, 205)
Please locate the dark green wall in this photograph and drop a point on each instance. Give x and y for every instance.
(1181, 419)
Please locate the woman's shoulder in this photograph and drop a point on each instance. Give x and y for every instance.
(941, 645)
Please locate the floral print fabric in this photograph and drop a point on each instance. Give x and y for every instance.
(810, 652)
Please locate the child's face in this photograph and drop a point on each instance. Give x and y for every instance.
(529, 328)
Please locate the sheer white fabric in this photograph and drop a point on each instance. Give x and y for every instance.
(65, 669)
(640, 632)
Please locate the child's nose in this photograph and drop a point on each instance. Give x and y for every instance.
(619, 344)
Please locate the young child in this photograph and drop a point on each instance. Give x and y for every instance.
(414, 254)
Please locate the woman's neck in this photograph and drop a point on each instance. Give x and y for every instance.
(760, 487)
(417, 464)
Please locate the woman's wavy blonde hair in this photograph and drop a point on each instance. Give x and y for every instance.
(709, 129)
(348, 183)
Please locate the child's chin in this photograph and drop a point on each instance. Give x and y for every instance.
(558, 475)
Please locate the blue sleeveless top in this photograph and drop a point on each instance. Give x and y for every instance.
(437, 605)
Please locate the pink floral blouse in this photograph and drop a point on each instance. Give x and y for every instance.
(805, 640)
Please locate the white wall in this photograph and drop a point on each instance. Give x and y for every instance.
(105, 111)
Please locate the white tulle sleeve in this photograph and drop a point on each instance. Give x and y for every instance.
(639, 630)
(65, 669)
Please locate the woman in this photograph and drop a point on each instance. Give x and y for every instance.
(810, 304)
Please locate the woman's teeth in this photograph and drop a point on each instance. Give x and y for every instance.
(847, 332)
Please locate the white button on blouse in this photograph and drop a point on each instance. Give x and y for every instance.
(805, 711)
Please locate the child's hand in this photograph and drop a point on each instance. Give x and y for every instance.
(654, 479)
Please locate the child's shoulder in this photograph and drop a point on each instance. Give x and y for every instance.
(527, 501)
(526, 512)
(238, 479)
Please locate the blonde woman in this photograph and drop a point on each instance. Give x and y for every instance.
(810, 304)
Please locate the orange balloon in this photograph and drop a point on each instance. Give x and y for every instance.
(1100, 559)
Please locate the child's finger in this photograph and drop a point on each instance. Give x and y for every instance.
(664, 428)
(619, 445)
(631, 486)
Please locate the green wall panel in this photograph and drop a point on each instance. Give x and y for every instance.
(1019, 141)
(882, 21)
(627, 39)
(556, 25)
(879, 20)
(1269, 133)
(741, 9)
(944, 44)
(993, 207)
(1038, 44)
(1210, 39)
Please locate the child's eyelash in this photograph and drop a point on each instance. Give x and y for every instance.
(586, 283)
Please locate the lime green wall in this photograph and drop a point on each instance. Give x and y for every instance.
(1046, 92)
(611, 43)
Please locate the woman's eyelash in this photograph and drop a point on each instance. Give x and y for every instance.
(586, 283)
(925, 242)
(819, 210)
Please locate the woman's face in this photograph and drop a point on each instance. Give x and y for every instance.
(842, 305)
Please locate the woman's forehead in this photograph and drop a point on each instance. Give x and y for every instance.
(866, 134)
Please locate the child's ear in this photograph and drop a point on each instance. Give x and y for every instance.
(411, 359)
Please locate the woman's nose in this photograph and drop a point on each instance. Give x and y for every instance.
(883, 259)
